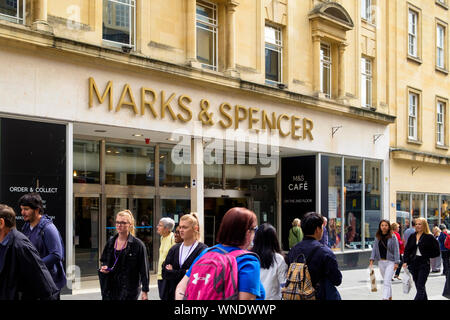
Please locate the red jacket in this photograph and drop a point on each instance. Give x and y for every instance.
(400, 243)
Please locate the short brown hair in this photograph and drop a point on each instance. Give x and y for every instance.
(8, 215)
(234, 226)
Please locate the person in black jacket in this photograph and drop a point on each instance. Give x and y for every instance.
(181, 255)
(322, 266)
(420, 248)
(124, 263)
(23, 275)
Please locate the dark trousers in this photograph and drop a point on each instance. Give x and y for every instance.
(161, 288)
(420, 269)
(397, 273)
(445, 261)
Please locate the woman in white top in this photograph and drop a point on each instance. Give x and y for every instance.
(273, 267)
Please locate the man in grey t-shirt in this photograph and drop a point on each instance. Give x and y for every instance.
(409, 231)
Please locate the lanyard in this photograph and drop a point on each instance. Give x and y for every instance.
(116, 256)
(181, 252)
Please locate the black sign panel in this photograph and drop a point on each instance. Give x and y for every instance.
(298, 191)
(33, 159)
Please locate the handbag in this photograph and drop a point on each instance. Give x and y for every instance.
(103, 279)
(373, 280)
(407, 281)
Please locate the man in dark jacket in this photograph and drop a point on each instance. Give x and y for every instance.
(445, 253)
(322, 263)
(44, 236)
(23, 275)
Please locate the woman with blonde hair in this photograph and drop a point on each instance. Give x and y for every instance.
(124, 263)
(181, 255)
(420, 248)
(295, 233)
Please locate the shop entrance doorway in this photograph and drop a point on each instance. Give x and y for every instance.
(215, 209)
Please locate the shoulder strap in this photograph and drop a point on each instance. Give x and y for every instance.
(41, 231)
(295, 233)
(41, 234)
(223, 251)
(239, 253)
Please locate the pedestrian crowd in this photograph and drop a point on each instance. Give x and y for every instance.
(418, 253)
(31, 261)
(247, 262)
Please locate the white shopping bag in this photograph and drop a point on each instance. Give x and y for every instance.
(373, 281)
(407, 281)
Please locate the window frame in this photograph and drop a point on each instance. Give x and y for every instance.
(211, 26)
(416, 138)
(415, 35)
(412, 116)
(445, 123)
(329, 63)
(442, 3)
(277, 47)
(443, 68)
(418, 11)
(366, 12)
(131, 17)
(440, 123)
(367, 82)
(16, 19)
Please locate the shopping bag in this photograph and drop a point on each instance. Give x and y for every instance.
(103, 279)
(407, 281)
(373, 281)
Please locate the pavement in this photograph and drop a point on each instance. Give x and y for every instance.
(355, 286)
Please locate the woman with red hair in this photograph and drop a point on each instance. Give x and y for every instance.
(236, 232)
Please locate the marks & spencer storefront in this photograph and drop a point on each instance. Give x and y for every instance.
(106, 139)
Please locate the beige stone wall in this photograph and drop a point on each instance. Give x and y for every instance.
(431, 163)
(163, 33)
(420, 76)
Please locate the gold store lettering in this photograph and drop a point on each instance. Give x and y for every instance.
(180, 109)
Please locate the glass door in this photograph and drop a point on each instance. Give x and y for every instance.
(143, 213)
(113, 206)
(175, 208)
(433, 210)
(86, 241)
(215, 209)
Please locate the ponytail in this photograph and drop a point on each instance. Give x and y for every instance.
(127, 213)
(193, 219)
